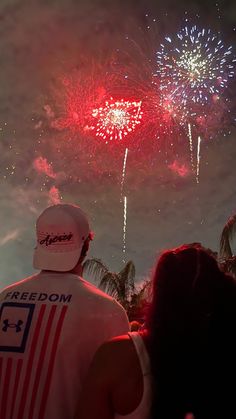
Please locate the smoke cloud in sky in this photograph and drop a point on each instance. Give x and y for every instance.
(44, 43)
(11, 235)
(42, 166)
(181, 169)
(54, 196)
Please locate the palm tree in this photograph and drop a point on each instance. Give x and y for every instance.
(119, 285)
(228, 260)
(139, 302)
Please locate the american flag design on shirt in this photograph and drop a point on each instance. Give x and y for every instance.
(29, 337)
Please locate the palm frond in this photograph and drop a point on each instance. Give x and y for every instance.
(109, 284)
(118, 285)
(146, 290)
(142, 293)
(127, 277)
(229, 265)
(95, 269)
(227, 235)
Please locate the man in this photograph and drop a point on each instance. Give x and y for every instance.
(52, 323)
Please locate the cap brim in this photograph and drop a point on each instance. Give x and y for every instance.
(59, 262)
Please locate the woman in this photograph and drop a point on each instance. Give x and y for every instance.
(182, 364)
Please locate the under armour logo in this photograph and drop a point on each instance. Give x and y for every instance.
(8, 325)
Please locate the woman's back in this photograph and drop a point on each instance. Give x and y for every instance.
(190, 343)
(120, 378)
(143, 407)
(191, 331)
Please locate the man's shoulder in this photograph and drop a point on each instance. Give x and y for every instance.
(100, 298)
(96, 293)
(18, 284)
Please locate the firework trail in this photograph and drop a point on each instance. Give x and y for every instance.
(124, 171)
(191, 145)
(124, 198)
(125, 203)
(124, 227)
(198, 158)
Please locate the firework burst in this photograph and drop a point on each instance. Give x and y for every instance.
(117, 119)
(195, 65)
(80, 96)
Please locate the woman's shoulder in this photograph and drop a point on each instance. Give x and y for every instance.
(115, 351)
(120, 349)
(122, 343)
(117, 372)
(119, 346)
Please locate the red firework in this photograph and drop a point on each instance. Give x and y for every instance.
(76, 100)
(117, 119)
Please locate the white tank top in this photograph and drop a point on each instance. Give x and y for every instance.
(143, 409)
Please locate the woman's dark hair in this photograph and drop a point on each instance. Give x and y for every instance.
(190, 324)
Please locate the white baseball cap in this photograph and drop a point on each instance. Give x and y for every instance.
(61, 232)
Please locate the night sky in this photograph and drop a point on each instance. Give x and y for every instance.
(42, 44)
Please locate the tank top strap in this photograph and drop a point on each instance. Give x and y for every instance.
(141, 352)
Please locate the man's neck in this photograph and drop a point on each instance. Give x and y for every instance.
(77, 270)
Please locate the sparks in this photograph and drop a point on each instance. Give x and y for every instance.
(124, 227)
(191, 145)
(194, 65)
(117, 119)
(124, 170)
(198, 158)
(76, 97)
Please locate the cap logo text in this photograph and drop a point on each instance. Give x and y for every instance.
(51, 239)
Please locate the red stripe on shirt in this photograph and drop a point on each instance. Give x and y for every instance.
(30, 362)
(51, 362)
(41, 359)
(17, 379)
(1, 364)
(1, 361)
(5, 391)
